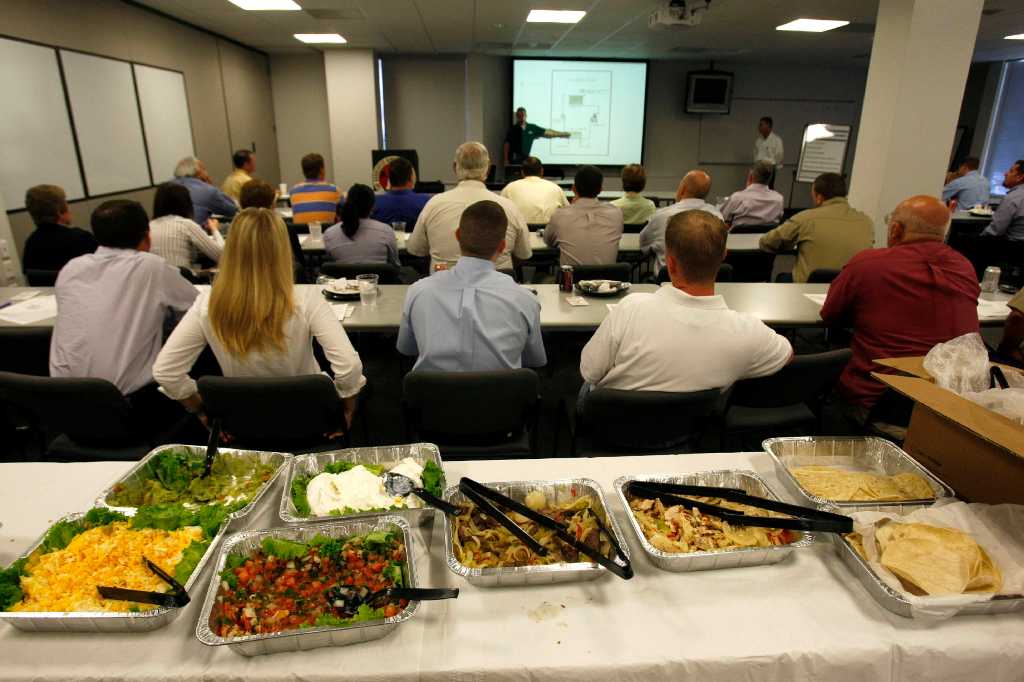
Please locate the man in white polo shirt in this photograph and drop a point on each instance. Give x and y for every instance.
(683, 338)
(535, 197)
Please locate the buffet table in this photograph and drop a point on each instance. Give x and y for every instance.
(806, 618)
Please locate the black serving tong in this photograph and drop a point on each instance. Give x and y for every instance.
(803, 518)
(485, 498)
(211, 446)
(348, 599)
(176, 598)
(397, 484)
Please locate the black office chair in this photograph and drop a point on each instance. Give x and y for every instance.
(640, 422)
(192, 277)
(25, 350)
(386, 272)
(633, 228)
(534, 227)
(786, 401)
(282, 414)
(511, 272)
(89, 418)
(724, 274)
(619, 272)
(473, 415)
(41, 278)
(752, 229)
(554, 171)
(822, 276)
(751, 266)
(429, 187)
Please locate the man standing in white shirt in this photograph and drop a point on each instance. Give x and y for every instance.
(434, 233)
(768, 147)
(690, 194)
(535, 197)
(683, 338)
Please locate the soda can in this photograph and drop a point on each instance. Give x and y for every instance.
(990, 280)
(565, 279)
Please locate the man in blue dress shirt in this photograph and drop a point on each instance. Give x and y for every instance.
(472, 317)
(400, 204)
(207, 200)
(1009, 217)
(969, 187)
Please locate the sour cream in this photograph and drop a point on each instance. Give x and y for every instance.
(359, 489)
(410, 469)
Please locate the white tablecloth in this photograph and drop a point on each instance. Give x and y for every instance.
(806, 618)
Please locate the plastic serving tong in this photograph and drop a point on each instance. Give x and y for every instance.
(176, 598)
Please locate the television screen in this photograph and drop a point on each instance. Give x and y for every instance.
(708, 92)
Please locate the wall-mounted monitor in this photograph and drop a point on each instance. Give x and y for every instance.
(708, 92)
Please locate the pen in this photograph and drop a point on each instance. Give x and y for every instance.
(4, 305)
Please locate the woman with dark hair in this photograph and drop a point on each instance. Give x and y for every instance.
(357, 238)
(176, 237)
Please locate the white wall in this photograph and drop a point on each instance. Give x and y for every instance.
(300, 112)
(352, 108)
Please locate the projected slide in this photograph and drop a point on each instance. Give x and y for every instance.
(600, 104)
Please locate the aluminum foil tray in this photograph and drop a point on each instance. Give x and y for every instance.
(313, 464)
(140, 472)
(104, 621)
(747, 481)
(246, 542)
(895, 601)
(557, 492)
(876, 455)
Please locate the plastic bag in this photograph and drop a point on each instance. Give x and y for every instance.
(1008, 402)
(960, 365)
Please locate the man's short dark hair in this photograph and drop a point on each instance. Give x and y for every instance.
(768, 120)
(972, 163)
(45, 203)
(400, 172)
(523, 109)
(634, 178)
(829, 186)
(588, 182)
(257, 194)
(172, 199)
(241, 157)
(696, 240)
(532, 166)
(120, 224)
(761, 171)
(312, 166)
(1019, 165)
(481, 229)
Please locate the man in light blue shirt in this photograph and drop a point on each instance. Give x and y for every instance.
(207, 200)
(472, 317)
(1009, 217)
(690, 194)
(969, 187)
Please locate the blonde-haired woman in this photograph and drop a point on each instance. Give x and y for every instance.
(258, 323)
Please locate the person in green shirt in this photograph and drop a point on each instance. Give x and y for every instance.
(636, 209)
(520, 137)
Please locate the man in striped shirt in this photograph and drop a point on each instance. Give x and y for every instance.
(314, 200)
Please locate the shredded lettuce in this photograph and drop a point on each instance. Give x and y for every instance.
(190, 558)
(393, 571)
(363, 613)
(327, 547)
(378, 540)
(10, 584)
(284, 549)
(173, 516)
(433, 479)
(298, 493)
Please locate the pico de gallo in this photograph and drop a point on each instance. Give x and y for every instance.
(288, 585)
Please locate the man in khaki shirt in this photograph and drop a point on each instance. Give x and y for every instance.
(588, 231)
(826, 236)
(245, 165)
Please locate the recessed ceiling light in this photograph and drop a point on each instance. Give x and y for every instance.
(265, 5)
(323, 38)
(1017, 36)
(812, 25)
(555, 16)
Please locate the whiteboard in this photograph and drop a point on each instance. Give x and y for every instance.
(164, 107)
(35, 132)
(822, 150)
(105, 113)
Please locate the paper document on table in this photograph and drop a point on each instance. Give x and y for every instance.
(201, 288)
(611, 306)
(817, 298)
(988, 310)
(33, 310)
(342, 311)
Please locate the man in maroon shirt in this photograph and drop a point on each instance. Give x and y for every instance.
(902, 300)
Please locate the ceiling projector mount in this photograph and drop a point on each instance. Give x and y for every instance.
(678, 13)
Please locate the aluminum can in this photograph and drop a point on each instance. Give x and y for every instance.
(565, 278)
(990, 280)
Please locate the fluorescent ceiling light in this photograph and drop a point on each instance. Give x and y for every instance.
(1018, 36)
(264, 5)
(329, 38)
(555, 16)
(812, 25)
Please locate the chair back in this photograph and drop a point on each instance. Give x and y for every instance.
(552, 170)
(822, 276)
(633, 228)
(274, 413)
(751, 229)
(511, 272)
(429, 187)
(88, 411)
(724, 274)
(386, 272)
(805, 380)
(470, 408)
(41, 278)
(646, 420)
(25, 350)
(751, 266)
(619, 272)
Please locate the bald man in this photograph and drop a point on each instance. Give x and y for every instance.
(902, 300)
(690, 194)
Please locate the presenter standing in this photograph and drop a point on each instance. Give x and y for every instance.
(520, 137)
(768, 147)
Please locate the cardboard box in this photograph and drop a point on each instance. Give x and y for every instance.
(979, 453)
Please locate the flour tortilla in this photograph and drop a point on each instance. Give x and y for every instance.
(841, 485)
(929, 560)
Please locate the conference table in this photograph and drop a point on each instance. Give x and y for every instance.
(805, 618)
(777, 305)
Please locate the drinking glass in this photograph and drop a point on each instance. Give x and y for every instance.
(368, 289)
(316, 232)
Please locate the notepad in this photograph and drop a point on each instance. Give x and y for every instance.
(343, 311)
(989, 310)
(33, 310)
